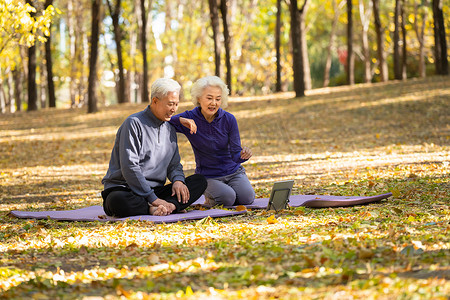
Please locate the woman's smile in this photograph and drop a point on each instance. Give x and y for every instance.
(210, 102)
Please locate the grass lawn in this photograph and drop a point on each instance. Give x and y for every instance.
(360, 140)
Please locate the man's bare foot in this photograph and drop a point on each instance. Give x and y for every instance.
(158, 210)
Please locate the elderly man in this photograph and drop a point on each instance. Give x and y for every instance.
(145, 153)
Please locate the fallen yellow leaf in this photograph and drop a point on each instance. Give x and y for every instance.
(272, 219)
(241, 208)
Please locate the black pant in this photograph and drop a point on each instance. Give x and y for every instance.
(122, 202)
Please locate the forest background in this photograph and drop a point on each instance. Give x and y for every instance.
(63, 52)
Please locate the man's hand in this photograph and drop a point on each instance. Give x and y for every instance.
(181, 190)
(190, 124)
(169, 207)
(246, 153)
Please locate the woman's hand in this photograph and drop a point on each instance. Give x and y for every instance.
(246, 153)
(190, 124)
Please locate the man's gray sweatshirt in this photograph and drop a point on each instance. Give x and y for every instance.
(145, 153)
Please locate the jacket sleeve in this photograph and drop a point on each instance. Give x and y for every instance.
(175, 168)
(175, 122)
(131, 142)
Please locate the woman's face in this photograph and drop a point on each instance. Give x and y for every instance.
(210, 101)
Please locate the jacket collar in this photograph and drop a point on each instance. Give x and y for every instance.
(198, 112)
(152, 117)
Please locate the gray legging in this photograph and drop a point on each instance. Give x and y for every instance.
(122, 202)
(233, 189)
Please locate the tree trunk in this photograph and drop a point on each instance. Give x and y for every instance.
(404, 56)
(71, 27)
(92, 80)
(304, 46)
(350, 54)
(382, 65)
(137, 66)
(12, 99)
(440, 43)
(82, 86)
(397, 58)
(17, 88)
(145, 96)
(420, 34)
(32, 88)
(278, 46)
(326, 72)
(214, 15)
(49, 65)
(227, 39)
(115, 15)
(364, 14)
(2, 95)
(132, 86)
(42, 92)
(297, 59)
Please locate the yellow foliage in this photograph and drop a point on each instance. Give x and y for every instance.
(272, 219)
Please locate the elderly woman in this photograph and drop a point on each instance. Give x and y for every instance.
(214, 137)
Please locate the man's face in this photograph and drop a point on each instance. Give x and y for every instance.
(166, 107)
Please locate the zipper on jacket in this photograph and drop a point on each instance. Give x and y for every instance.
(159, 130)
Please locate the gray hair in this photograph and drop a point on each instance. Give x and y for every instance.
(162, 86)
(202, 83)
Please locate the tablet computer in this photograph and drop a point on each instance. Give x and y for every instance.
(279, 197)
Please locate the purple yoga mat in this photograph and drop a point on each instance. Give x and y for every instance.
(96, 213)
(315, 201)
(321, 201)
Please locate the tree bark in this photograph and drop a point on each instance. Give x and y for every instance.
(145, 97)
(72, 50)
(92, 80)
(420, 34)
(382, 65)
(404, 56)
(397, 57)
(42, 91)
(440, 43)
(364, 14)
(304, 46)
(131, 75)
(49, 65)
(115, 15)
(17, 88)
(32, 87)
(278, 46)
(214, 15)
(227, 41)
(297, 55)
(2, 95)
(350, 54)
(12, 99)
(326, 72)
